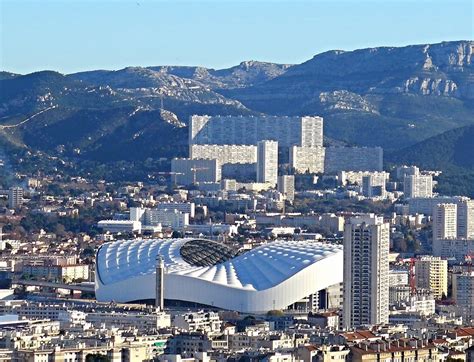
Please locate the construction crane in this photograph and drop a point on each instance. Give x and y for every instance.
(175, 174)
(195, 169)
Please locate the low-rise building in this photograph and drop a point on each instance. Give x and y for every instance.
(394, 351)
(120, 226)
(124, 320)
(208, 322)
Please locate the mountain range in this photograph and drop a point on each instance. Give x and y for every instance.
(394, 97)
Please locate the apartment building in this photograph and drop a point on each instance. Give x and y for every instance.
(366, 271)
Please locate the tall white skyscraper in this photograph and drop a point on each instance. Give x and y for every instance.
(286, 185)
(418, 186)
(445, 221)
(366, 271)
(465, 219)
(267, 162)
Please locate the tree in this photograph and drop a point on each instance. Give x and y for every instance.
(97, 357)
(275, 313)
(60, 230)
(88, 252)
(176, 234)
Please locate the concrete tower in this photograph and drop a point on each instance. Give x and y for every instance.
(366, 268)
(15, 197)
(160, 274)
(267, 162)
(445, 221)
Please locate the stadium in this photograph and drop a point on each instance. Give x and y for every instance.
(272, 276)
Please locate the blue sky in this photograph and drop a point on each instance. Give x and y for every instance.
(70, 36)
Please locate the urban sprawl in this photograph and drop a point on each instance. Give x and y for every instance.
(265, 244)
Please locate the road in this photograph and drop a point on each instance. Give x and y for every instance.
(39, 283)
(8, 126)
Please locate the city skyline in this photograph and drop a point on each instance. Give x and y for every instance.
(317, 212)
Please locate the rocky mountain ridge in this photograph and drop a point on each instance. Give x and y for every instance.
(386, 96)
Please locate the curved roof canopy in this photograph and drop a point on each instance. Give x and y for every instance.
(210, 266)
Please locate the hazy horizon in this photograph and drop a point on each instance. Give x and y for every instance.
(74, 36)
(231, 65)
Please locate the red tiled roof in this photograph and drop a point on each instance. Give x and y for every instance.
(464, 331)
(357, 335)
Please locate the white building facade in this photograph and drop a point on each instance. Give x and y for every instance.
(286, 185)
(185, 171)
(418, 185)
(445, 221)
(249, 130)
(353, 159)
(267, 162)
(307, 159)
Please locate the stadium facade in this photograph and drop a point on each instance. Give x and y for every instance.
(272, 276)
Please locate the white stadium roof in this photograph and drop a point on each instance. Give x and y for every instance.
(272, 276)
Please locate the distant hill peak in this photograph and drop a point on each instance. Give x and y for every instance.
(8, 75)
(257, 63)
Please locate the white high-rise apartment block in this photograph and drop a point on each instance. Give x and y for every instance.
(353, 159)
(366, 271)
(431, 273)
(403, 171)
(374, 184)
(355, 177)
(15, 197)
(224, 153)
(465, 219)
(249, 130)
(185, 171)
(418, 186)
(286, 185)
(267, 162)
(453, 228)
(306, 159)
(445, 221)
